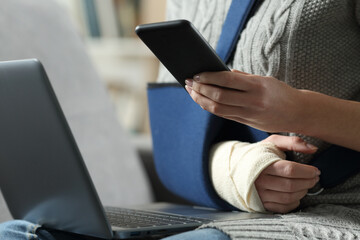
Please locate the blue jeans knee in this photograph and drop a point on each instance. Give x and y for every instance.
(202, 234)
(19, 230)
(23, 230)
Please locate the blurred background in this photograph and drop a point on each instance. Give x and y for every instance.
(122, 60)
(121, 166)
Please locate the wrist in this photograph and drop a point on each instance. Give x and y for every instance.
(309, 113)
(326, 117)
(301, 108)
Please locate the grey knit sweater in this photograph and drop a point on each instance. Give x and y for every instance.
(309, 44)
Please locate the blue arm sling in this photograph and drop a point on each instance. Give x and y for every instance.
(183, 133)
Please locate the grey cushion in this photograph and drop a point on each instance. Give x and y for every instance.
(42, 29)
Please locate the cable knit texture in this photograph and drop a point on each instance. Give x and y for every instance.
(309, 44)
(321, 222)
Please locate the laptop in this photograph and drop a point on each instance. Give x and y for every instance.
(44, 179)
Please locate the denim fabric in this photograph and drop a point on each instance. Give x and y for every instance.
(202, 234)
(23, 230)
(19, 230)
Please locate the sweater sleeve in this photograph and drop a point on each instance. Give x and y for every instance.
(234, 167)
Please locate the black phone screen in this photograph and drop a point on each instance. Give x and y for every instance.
(180, 48)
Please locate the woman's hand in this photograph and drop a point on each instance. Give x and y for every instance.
(261, 102)
(284, 183)
(270, 105)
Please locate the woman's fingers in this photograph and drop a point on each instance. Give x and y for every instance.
(282, 197)
(239, 81)
(293, 143)
(225, 96)
(281, 208)
(286, 185)
(264, 102)
(283, 184)
(212, 106)
(289, 169)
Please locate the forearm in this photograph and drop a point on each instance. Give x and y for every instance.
(270, 105)
(234, 167)
(331, 119)
(256, 177)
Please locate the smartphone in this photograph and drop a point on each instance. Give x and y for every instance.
(180, 48)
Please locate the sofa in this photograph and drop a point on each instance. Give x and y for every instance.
(122, 174)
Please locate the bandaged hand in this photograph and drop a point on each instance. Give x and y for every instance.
(257, 178)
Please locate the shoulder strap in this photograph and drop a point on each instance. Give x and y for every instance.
(239, 13)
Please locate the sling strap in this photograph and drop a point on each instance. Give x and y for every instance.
(239, 13)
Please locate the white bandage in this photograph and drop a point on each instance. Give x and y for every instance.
(234, 167)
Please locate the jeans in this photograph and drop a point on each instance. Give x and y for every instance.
(202, 234)
(23, 230)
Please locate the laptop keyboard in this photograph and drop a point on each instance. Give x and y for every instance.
(130, 218)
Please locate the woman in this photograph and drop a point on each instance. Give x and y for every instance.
(298, 68)
(286, 46)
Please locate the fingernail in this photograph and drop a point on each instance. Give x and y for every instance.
(197, 78)
(308, 145)
(189, 82)
(188, 89)
(318, 172)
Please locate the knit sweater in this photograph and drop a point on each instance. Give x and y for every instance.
(309, 44)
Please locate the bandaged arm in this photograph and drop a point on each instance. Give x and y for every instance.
(234, 167)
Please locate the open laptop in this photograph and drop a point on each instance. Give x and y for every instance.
(43, 177)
